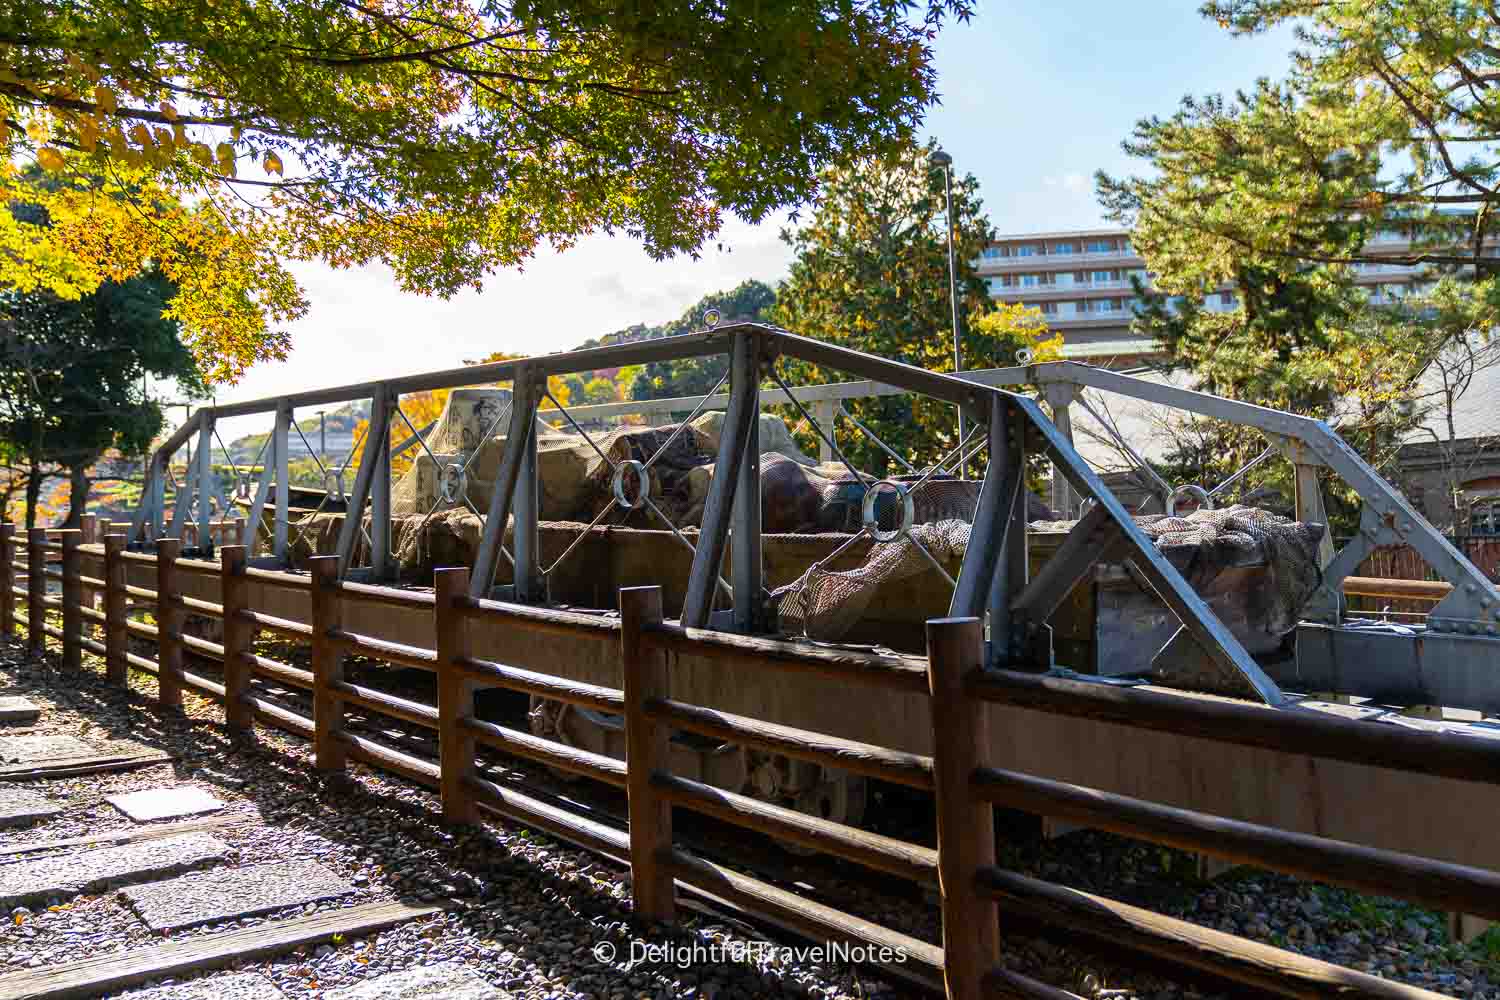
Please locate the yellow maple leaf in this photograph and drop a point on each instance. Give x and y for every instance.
(168, 111)
(50, 159)
(273, 164)
(105, 98)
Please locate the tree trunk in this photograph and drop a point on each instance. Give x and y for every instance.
(78, 495)
(33, 494)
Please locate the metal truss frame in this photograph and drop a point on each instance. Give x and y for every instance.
(993, 578)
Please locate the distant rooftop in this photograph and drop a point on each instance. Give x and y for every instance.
(1064, 233)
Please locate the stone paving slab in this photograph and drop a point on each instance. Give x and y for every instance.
(240, 986)
(446, 981)
(67, 875)
(232, 892)
(35, 749)
(165, 803)
(14, 708)
(19, 806)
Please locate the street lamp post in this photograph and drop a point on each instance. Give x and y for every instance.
(944, 162)
(322, 438)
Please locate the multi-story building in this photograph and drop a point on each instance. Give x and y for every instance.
(1081, 281)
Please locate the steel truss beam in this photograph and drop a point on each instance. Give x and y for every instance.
(1473, 594)
(524, 399)
(377, 441)
(994, 573)
(740, 423)
(1214, 638)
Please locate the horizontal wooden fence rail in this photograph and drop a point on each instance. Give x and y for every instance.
(1242, 723)
(975, 892)
(653, 791)
(968, 788)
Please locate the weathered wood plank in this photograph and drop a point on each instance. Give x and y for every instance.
(92, 976)
(127, 836)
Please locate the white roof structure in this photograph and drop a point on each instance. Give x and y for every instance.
(1476, 410)
(1144, 425)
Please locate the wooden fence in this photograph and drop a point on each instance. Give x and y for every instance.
(978, 898)
(1391, 563)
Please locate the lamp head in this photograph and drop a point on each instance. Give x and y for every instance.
(940, 159)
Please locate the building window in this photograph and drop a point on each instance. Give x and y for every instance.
(1049, 308)
(990, 253)
(1484, 516)
(1101, 246)
(1226, 298)
(1101, 277)
(1063, 248)
(1028, 281)
(1026, 250)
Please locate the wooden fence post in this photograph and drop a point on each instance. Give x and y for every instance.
(72, 597)
(239, 638)
(455, 696)
(645, 677)
(36, 591)
(116, 669)
(88, 524)
(8, 572)
(327, 665)
(966, 826)
(170, 616)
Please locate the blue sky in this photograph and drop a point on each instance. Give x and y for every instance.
(1036, 97)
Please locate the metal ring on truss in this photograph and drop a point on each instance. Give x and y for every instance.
(453, 483)
(869, 519)
(643, 477)
(333, 485)
(242, 490)
(1205, 501)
